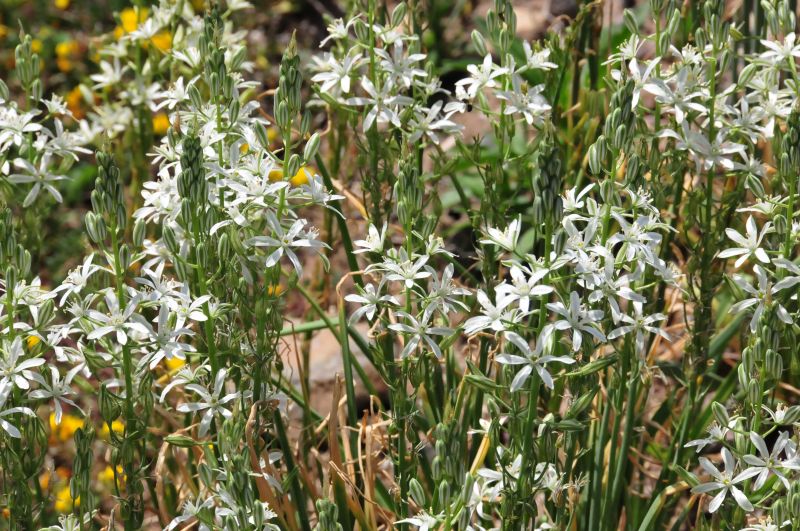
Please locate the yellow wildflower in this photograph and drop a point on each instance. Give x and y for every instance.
(300, 178)
(129, 21)
(63, 502)
(107, 475)
(32, 341)
(273, 290)
(62, 4)
(173, 364)
(162, 40)
(116, 425)
(75, 103)
(64, 431)
(66, 52)
(272, 134)
(36, 45)
(160, 124)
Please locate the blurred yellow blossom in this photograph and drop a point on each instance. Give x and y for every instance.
(75, 103)
(116, 425)
(61, 4)
(162, 40)
(66, 52)
(32, 341)
(300, 178)
(129, 21)
(63, 502)
(36, 45)
(107, 475)
(160, 123)
(173, 364)
(64, 431)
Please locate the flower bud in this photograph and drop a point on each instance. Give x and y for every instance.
(311, 148)
(417, 492)
(139, 230)
(479, 43)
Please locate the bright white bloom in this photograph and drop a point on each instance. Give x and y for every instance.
(725, 482)
(531, 359)
(578, 319)
(213, 403)
(5, 391)
(749, 244)
(420, 334)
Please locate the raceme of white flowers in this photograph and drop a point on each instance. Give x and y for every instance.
(217, 212)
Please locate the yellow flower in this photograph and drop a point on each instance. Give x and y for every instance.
(63, 502)
(107, 475)
(36, 45)
(162, 40)
(129, 21)
(160, 124)
(198, 5)
(244, 148)
(116, 425)
(173, 364)
(75, 103)
(300, 178)
(274, 290)
(66, 51)
(32, 341)
(69, 425)
(272, 134)
(62, 4)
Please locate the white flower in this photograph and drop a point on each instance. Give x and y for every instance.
(422, 521)
(577, 319)
(337, 75)
(420, 334)
(776, 53)
(77, 279)
(118, 321)
(13, 368)
(5, 391)
(110, 74)
(640, 324)
(537, 60)
(505, 239)
(769, 462)
(382, 104)
(370, 299)
(725, 482)
(527, 101)
(480, 77)
(760, 296)
(56, 389)
(212, 403)
(531, 359)
(494, 316)
(522, 288)
(373, 243)
(41, 177)
(285, 241)
(749, 244)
